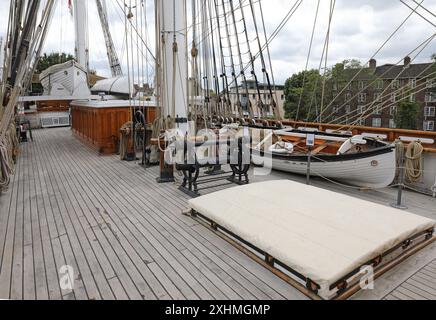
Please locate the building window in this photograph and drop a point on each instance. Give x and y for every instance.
(376, 122)
(336, 109)
(362, 97)
(392, 124)
(361, 85)
(379, 85)
(348, 97)
(348, 109)
(428, 125)
(412, 97)
(430, 97)
(429, 111)
(378, 110)
(395, 84)
(393, 110)
(412, 83)
(393, 97)
(350, 86)
(360, 109)
(377, 97)
(430, 83)
(361, 121)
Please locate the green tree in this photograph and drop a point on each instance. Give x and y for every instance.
(48, 60)
(433, 57)
(406, 116)
(310, 94)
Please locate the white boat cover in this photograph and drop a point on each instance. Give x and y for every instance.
(321, 234)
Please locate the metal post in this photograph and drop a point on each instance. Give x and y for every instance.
(309, 159)
(399, 204)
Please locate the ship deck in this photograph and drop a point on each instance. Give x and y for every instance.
(126, 238)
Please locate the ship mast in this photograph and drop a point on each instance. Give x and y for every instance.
(81, 33)
(114, 62)
(172, 60)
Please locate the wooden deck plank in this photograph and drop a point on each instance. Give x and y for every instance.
(41, 290)
(411, 294)
(123, 234)
(420, 286)
(29, 287)
(94, 277)
(108, 220)
(8, 242)
(400, 296)
(102, 216)
(417, 288)
(134, 294)
(17, 255)
(163, 248)
(183, 240)
(178, 209)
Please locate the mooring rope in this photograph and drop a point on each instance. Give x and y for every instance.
(414, 161)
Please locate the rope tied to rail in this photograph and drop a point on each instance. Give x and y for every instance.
(414, 161)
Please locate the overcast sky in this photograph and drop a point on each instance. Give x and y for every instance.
(359, 28)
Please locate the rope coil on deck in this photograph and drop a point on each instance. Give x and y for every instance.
(414, 161)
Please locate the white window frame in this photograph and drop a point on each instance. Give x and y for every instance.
(378, 124)
(393, 110)
(348, 96)
(361, 85)
(361, 109)
(430, 97)
(395, 84)
(392, 124)
(412, 83)
(393, 97)
(429, 111)
(412, 97)
(347, 109)
(361, 97)
(378, 109)
(377, 97)
(379, 84)
(428, 125)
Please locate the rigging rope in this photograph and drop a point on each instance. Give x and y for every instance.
(8, 153)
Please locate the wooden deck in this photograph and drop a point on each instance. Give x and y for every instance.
(125, 237)
(123, 234)
(420, 286)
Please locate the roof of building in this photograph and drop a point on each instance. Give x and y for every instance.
(391, 71)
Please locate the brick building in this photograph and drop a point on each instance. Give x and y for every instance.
(372, 97)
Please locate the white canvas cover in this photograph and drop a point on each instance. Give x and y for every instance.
(321, 234)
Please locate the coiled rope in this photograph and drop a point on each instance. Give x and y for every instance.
(125, 131)
(414, 161)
